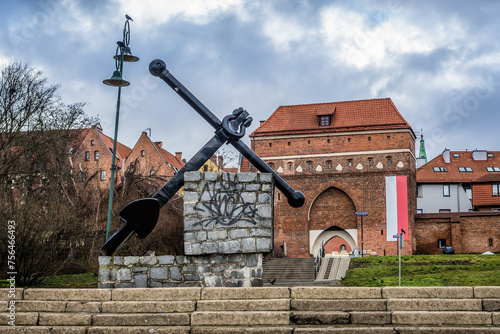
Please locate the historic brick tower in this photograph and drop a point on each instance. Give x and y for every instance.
(344, 156)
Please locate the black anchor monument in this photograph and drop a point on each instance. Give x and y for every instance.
(141, 216)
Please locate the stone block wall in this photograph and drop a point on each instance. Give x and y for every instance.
(218, 270)
(228, 225)
(227, 213)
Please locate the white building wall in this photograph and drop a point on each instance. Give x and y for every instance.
(430, 198)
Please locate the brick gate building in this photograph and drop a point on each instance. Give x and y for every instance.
(339, 155)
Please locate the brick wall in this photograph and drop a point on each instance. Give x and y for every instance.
(339, 175)
(466, 232)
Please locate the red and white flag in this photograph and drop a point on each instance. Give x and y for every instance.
(396, 199)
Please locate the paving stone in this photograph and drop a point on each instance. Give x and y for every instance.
(37, 306)
(147, 294)
(446, 330)
(434, 304)
(345, 330)
(236, 318)
(428, 292)
(241, 330)
(148, 306)
(370, 318)
(487, 292)
(42, 329)
(491, 305)
(244, 305)
(137, 319)
(68, 294)
(335, 292)
(64, 319)
(319, 318)
(88, 307)
(338, 304)
(441, 318)
(245, 293)
(142, 329)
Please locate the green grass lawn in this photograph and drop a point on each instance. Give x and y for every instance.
(87, 280)
(425, 270)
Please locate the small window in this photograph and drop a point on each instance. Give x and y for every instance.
(490, 242)
(103, 175)
(329, 164)
(348, 140)
(441, 243)
(370, 162)
(369, 138)
(343, 247)
(389, 161)
(420, 211)
(143, 153)
(271, 165)
(288, 143)
(388, 137)
(96, 155)
(152, 173)
(324, 121)
(87, 156)
(440, 169)
(349, 162)
(308, 142)
(309, 165)
(495, 189)
(92, 142)
(446, 190)
(270, 144)
(444, 210)
(493, 169)
(420, 191)
(468, 169)
(290, 166)
(328, 141)
(465, 169)
(490, 155)
(456, 155)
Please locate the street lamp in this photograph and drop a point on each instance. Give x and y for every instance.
(123, 53)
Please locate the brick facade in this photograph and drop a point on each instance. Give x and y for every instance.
(340, 170)
(466, 232)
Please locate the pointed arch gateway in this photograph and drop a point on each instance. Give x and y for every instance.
(332, 220)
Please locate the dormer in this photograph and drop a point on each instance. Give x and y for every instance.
(325, 115)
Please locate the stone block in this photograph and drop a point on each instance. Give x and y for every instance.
(441, 318)
(117, 260)
(261, 232)
(229, 247)
(496, 319)
(167, 319)
(212, 280)
(68, 294)
(370, 318)
(26, 319)
(236, 318)
(104, 274)
(491, 305)
(264, 211)
(189, 236)
(338, 304)
(167, 294)
(192, 176)
(64, 319)
(336, 292)
(254, 260)
(247, 177)
(428, 292)
(140, 281)
(87, 307)
(434, 304)
(248, 245)
(238, 233)
(139, 269)
(264, 244)
(104, 260)
(148, 260)
(148, 307)
(264, 198)
(124, 274)
(217, 235)
(124, 285)
(244, 305)
(241, 330)
(181, 259)
(252, 187)
(248, 197)
(347, 330)
(200, 236)
(487, 292)
(130, 260)
(192, 277)
(137, 329)
(211, 176)
(245, 293)
(319, 318)
(175, 273)
(228, 177)
(209, 247)
(266, 177)
(192, 224)
(37, 306)
(159, 273)
(192, 248)
(156, 284)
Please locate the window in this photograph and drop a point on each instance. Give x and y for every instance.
(441, 243)
(370, 162)
(493, 169)
(419, 191)
(440, 169)
(329, 164)
(290, 166)
(349, 162)
(495, 189)
(152, 173)
(490, 155)
(309, 165)
(343, 247)
(348, 140)
(369, 138)
(468, 192)
(87, 156)
(444, 210)
(328, 141)
(490, 242)
(271, 165)
(92, 142)
(96, 155)
(389, 161)
(270, 144)
(143, 153)
(205, 168)
(420, 211)
(388, 137)
(288, 143)
(103, 175)
(446, 190)
(456, 155)
(324, 120)
(465, 169)
(308, 142)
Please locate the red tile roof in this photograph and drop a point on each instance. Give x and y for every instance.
(122, 151)
(168, 157)
(426, 173)
(486, 178)
(374, 114)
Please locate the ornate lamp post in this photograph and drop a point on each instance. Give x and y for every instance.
(123, 53)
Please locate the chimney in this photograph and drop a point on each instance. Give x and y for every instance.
(261, 122)
(159, 143)
(178, 155)
(220, 161)
(446, 156)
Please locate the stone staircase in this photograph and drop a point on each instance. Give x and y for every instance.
(288, 270)
(333, 268)
(402, 310)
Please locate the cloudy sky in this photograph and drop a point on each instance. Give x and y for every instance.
(439, 61)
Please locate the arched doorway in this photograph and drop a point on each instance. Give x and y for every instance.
(337, 234)
(337, 244)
